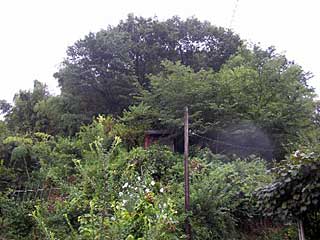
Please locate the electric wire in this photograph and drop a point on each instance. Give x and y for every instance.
(231, 144)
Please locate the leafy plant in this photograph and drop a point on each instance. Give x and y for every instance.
(294, 195)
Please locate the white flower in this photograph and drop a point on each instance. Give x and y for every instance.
(139, 178)
(147, 190)
(120, 194)
(124, 201)
(152, 183)
(113, 218)
(125, 185)
(161, 190)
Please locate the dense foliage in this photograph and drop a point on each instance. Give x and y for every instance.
(294, 194)
(105, 191)
(105, 70)
(257, 98)
(72, 166)
(146, 70)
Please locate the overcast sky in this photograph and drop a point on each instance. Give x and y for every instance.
(36, 33)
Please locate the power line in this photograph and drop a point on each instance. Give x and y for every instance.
(231, 144)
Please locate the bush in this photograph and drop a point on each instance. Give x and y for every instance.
(220, 197)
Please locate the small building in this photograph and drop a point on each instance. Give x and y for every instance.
(160, 137)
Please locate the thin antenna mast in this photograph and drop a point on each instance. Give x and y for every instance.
(234, 13)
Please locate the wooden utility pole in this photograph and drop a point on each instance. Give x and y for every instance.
(186, 173)
(301, 230)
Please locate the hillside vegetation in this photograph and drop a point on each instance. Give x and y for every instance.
(73, 165)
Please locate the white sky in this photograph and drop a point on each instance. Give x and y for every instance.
(36, 33)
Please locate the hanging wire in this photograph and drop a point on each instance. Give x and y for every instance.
(232, 145)
(234, 13)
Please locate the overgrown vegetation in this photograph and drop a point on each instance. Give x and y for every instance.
(73, 166)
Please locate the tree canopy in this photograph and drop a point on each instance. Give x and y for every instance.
(237, 93)
(253, 89)
(23, 117)
(105, 70)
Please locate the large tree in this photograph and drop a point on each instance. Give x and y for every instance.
(5, 107)
(22, 117)
(192, 42)
(106, 69)
(257, 100)
(59, 115)
(98, 72)
(265, 89)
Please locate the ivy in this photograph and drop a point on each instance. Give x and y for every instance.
(295, 192)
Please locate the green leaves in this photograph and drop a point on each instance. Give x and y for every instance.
(23, 118)
(5, 107)
(257, 96)
(174, 88)
(107, 69)
(294, 193)
(98, 72)
(221, 195)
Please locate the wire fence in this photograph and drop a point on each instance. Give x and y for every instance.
(43, 194)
